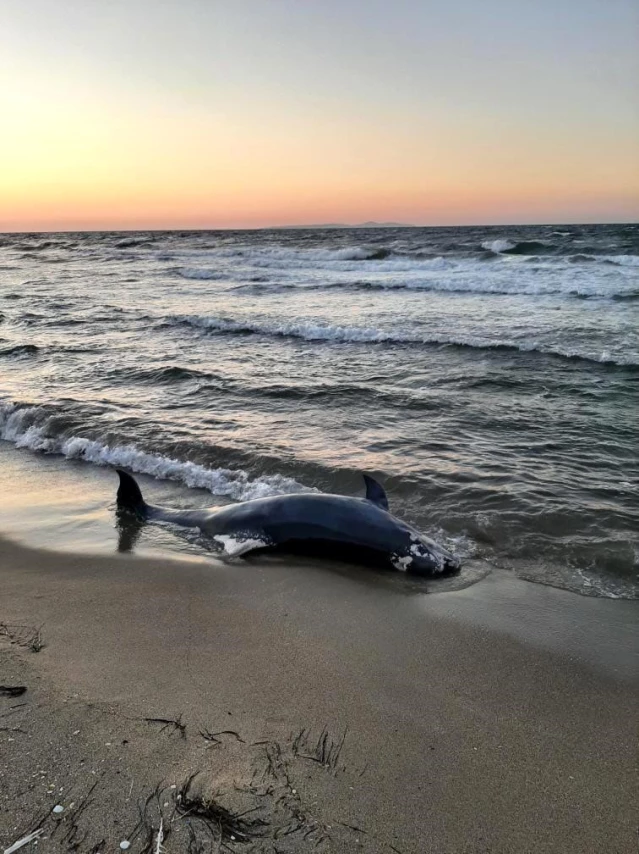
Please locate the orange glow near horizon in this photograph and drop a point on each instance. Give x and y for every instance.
(85, 149)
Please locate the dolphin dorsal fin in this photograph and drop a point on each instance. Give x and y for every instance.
(129, 495)
(375, 492)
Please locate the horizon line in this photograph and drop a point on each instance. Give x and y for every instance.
(317, 227)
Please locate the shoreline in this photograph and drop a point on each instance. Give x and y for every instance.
(67, 504)
(462, 725)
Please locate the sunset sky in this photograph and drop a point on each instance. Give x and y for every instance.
(243, 113)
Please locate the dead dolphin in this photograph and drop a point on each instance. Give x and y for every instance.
(359, 529)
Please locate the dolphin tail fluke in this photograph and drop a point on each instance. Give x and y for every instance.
(129, 495)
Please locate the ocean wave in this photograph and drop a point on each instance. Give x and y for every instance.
(209, 381)
(282, 257)
(165, 374)
(307, 330)
(35, 428)
(530, 247)
(131, 242)
(504, 246)
(34, 245)
(580, 258)
(195, 273)
(361, 253)
(622, 260)
(483, 288)
(291, 265)
(617, 260)
(497, 246)
(312, 331)
(500, 274)
(20, 350)
(629, 296)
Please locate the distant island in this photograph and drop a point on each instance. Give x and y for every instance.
(370, 224)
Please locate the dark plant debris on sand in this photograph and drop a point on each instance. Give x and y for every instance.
(12, 690)
(92, 778)
(325, 751)
(29, 637)
(170, 725)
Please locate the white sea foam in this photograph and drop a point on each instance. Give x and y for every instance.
(353, 253)
(280, 254)
(305, 329)
(508, 274)
(31, 427)
(224, 260)
(497, 246)
(309, 330)
(523, 283)
(623, 260)
(287, 261)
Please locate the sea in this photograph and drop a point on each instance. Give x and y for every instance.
(488, 376)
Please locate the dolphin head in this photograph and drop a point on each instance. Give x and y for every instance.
(424, 556)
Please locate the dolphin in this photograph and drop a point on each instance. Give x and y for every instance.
(358, 529)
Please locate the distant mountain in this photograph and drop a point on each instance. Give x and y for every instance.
(373, 224)
(370, 224)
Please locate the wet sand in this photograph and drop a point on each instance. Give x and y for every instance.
(320, 709)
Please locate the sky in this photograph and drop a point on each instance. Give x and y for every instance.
(247, 113)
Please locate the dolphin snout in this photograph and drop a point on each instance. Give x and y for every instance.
(429, 558)
(452, 565)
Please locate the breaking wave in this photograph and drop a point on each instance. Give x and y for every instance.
(623, 260)
(312, 331)
(361, 253)
(506, 274)
(500, 287)
(35, 428)
(497, 246)
(504, 246)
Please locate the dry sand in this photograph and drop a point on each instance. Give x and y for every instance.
(319, 709)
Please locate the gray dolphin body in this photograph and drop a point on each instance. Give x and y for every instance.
(359, 529)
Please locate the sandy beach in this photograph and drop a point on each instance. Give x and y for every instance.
(280, 706)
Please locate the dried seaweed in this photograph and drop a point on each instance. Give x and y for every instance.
(212, 737)
(12, 690)
(171, 724)
(154, 827)
(228, 825)
(29, 637)
(325, 751)
(73, 837)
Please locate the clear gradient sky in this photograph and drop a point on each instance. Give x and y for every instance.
(243, 113)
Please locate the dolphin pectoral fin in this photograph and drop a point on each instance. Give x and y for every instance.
(375, 492)
(241, 543)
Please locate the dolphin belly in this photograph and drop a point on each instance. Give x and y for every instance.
(330, 525)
